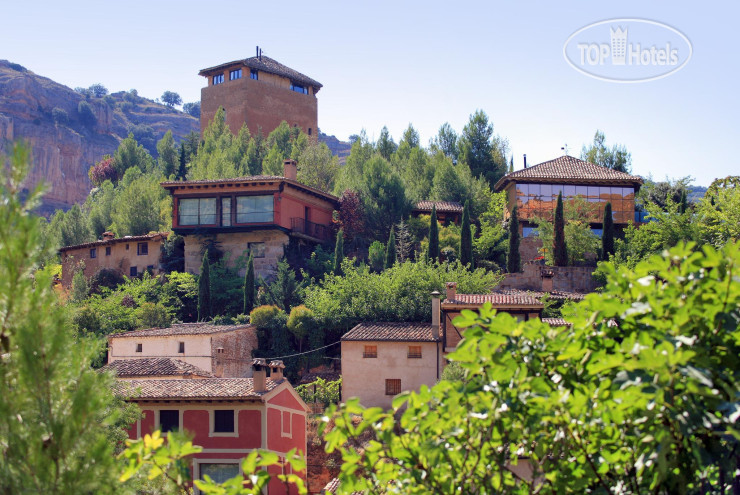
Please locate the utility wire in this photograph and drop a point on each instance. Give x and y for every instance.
(302, 353)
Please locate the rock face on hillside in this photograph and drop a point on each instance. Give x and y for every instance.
(65, 143)
(337, 147)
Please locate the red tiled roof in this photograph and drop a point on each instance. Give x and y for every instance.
(496, 299)
(556, 294)
(107, 242)
(442, 206)
(567, 169)
(180, 329)
(391, 331)
(154, 367)
(556, 322)
(206, 388)
(270, 65)
(332, 486)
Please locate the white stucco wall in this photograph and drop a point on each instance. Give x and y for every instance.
(197, 349)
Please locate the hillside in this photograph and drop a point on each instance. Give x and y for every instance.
(66, 142)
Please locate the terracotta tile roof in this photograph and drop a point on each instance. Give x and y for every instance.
(107, 242)
(332, 486)
(206, 388)
(154, 367)
(391, 331)
(442, 206)
(180, 329)
(496, 299)
(567, 169)
(556, 294)
(270, 65)
(556, 322)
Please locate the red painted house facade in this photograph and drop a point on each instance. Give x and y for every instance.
(228, 417)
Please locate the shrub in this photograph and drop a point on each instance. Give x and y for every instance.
(86, 114)
(192, 109)
(321, 391)
(60, 116)
(105, 278)
(153, 315)
(102, 171)
(265, 316)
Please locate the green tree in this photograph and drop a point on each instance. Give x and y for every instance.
(317, 167)
(390, 250)
(339, 253)
(385, 145)
(607, 235)
(433, 249)
(72, 227)
(617, 158)
(249, 294)
(417, 174)
(80, 289)
(171, 99)
(300, 323)
(513, 260)
(446, 185)
(86, 114)
(168, 157)
(383, 196)
(683, 205)
(130, 154)
(99, 206)
(204, 290)
(483, 152)
(285, 291)
(446, 141)
(559, 247)
(192, 109)
(466, 238)
(140, 205)
(376, 256)
(410, 137)
(580, 240)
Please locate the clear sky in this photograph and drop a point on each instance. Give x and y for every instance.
(426, 63)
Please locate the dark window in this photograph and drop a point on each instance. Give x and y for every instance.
(218, 472)
(107, 251)
(94, 253)
(235, 74)
(309, 131)
(223, 421)
(253, 74)
(414, 352)
(142, 248)
(254, 209)
(257, 249)
(139, 347)
(218, 79)
(393, 386)
(133, 271)
(150, 269)
(181, 348)
(126, 247)
(197, 211)
(370, 351)
(169, 420)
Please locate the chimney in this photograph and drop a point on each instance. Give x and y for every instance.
(525, 160)
(451, 290)
(547, 276)
(276, 370)
(259, 375)
(290, 169)
(219, 369)
(435, 314)
(107, 236)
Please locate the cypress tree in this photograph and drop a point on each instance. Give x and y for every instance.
(204, 290)
(249, 286)
(513, 259)
(182, 170)
(684, 204)
(390, 250)
(466, 238)
(607, 236)
(339, 253)
(433, 248)
(560, 250)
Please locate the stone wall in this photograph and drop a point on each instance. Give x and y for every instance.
(565, 278)
(529, 248)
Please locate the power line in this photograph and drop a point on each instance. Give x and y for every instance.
(302, 353)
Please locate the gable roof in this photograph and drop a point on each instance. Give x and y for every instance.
(108, 242)
(442, 206)
(206, 388)
(568, 169)
(269, 65)
(496, 299)
(154, 367)
(555, 294)
(391, 331)
(180, 329)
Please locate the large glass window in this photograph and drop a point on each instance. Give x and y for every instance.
(169, 420)
(254, 209)
(226, 212)
(197, 211)
(235, 74)
(219, 472)
(218, 79)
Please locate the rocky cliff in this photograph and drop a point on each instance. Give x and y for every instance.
(67, 140)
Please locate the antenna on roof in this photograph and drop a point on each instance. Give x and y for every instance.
(525, 160)
(564, 148)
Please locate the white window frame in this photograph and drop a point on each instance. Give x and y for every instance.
(212, 423)
(158, 426)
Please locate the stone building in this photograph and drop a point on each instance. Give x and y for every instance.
(258, 214)
(130, 256)
(259, 92)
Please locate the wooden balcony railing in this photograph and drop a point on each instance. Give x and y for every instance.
(308, 228)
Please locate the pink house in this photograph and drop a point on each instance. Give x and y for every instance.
(228, 417)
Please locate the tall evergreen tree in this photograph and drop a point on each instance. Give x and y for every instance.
(511, 164)
(560, 250)
(249, 286)
(466, 238)
(684, 204)
(339, 253)
(182, 170)
(433, 249)
(204, 290)
(607, 236)
(513, 258)
(390, 249)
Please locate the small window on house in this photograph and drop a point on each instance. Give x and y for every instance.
(309, 131)
(169, 420)
(107, 251)
(223, 421)
(126, 247)
(220, 350)
(299, 88)
(286, 430)
(142, 248)
(133, 271)
(370, 351)
(139, 347)
(150, 269)
(253, 74)
(235, 74)
(226, 212)
(414, 352)
(257, 249)
(181, 348)
(94, 253)
(393, 386)
(218, 471)
(218, 79)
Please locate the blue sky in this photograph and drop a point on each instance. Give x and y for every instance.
(426, 63)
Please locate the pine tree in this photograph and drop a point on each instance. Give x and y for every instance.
(513, 259)
(339, 253)
(204, 290)
(390, 250)
(560, 250)
(433, 248)
(182, 170)
(249, 286)
(466, 238)
(684, 204)
(607, 236)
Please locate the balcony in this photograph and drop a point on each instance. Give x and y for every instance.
(310, 229)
